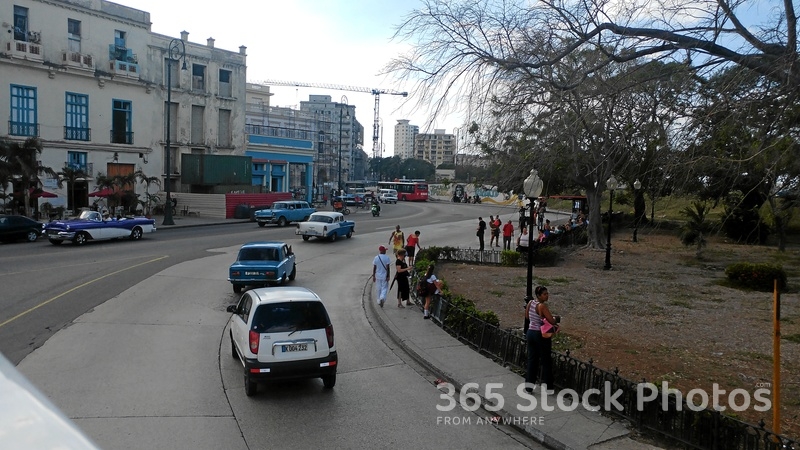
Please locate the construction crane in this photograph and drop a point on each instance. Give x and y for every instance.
(376, 92)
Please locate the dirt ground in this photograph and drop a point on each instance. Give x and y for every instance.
(660, 314)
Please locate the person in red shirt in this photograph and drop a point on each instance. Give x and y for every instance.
(508, 233)
(412, 243)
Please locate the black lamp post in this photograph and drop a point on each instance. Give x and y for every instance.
(533, 188)
(341, 115)
(636, 186)
(612, 186)
(175, 52)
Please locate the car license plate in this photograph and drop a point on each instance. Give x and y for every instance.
(295, 348)
(252, 273)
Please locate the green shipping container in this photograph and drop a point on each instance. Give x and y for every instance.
(216, 169)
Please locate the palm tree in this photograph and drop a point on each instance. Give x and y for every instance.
(696, 227)
(148, 181)
(20, 161)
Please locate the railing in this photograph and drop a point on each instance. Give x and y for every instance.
(23, 128)
(121, 137)
(77, 134)
(704, 429)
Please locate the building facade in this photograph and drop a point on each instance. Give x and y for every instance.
(436, 148)
(404, 137)
(89, 79)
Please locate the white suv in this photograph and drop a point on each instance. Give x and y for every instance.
(282, 333)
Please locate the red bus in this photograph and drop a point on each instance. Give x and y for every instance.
(407, 191)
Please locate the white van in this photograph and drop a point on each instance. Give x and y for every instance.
(387, 196)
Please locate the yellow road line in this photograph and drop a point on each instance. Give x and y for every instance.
(23, 313)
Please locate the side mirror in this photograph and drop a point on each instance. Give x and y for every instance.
(290, 252)
(231, 309)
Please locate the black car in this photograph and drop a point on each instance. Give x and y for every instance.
(19, 227)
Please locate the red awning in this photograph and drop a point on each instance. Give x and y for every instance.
(105, 192)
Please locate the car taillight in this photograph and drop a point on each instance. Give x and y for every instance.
(235, 273)
(254, 337)
(329, 335)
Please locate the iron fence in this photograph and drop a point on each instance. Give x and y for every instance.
(705, 429)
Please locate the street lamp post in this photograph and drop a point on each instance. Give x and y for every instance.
(175, 52)
(636, 186)
(341, 116)
(533, 188)
(612, 186)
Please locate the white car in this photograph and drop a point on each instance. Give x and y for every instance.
(282, 333)
(387, 196)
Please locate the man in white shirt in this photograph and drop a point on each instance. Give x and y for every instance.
(380, 274)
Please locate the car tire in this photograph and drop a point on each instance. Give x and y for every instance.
(237, 288)
(349, 234)
(234, 355)
(250, 386)
(56, 242)
(305, 238)
(293, 274)
(80, 238)
(329, 381)
(262, 224)
(32, 236)
(136, 233)
(334, 236)
(282, 221)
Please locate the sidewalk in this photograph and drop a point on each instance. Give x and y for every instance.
(454, 362)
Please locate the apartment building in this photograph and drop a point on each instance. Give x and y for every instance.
(89, 79)
(404, 135)
(436, 148)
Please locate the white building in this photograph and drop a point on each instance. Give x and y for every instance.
(404, 135)
(89, 79)
(436, 148)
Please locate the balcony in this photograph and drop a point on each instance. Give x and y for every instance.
(25, 50)
(124, 68)
(77, 134)
(23, 129)
(73, 59)
(86, 168)
(121, 137)
(123, 61)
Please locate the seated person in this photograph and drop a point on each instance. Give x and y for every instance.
(337, 204)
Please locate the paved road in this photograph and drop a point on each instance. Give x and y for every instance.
(151, 367)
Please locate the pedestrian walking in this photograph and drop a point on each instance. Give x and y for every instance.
(539, 363)
(508, 233)
(412, 244)
(481, 232)
(380, 274)
(401, 275)
(397, 239)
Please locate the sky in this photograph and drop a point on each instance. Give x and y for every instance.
(341, 42)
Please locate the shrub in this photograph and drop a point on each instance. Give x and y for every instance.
(460, 309)
(756, 276)
(510, 258)
(545, 256)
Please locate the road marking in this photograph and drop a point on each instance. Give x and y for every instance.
(23, 313)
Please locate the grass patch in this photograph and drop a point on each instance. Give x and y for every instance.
(792, 338)
(497, 294)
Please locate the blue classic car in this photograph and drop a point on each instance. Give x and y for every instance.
(284, 212)
(261, 264)
(92, 226)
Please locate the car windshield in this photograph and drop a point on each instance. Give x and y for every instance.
(279, 206)
(258, 254)
(290, 316)
(321, 219)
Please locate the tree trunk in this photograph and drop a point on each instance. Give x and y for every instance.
(595, 227)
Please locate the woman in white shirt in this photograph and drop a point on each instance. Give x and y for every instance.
(523, 240)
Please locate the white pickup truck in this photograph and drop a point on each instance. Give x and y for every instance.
(326, 225)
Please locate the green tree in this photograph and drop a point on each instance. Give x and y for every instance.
(21, 161)
(697, 227)
(71, 175)
(149, 199)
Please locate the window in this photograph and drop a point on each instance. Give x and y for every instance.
(119, 39)
(225, 89)
(23, 111)
(172, 125)
(20, 23)
(76, 126)
(198, 130)
(121, 118)
(74, 35)
(198, 77)
(224, 129)
(77, 161)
